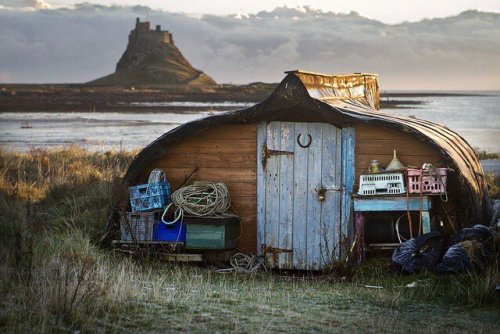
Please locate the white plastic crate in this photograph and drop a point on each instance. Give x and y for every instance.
(381, 184)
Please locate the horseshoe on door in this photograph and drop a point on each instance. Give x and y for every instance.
(309, 141)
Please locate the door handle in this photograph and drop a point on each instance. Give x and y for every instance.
(322, 191)
(329, 188)
(332, 188)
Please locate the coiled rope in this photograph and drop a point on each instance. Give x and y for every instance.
(200, 199)
(244, 263)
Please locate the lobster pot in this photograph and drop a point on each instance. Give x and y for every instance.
(138, 226)
(149, 196)
(381, 184)
(427, 182)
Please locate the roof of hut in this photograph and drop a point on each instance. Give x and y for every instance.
(341, 100)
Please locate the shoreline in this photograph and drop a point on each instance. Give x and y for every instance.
(84, 98)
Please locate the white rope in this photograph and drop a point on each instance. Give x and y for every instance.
(204, 199)
(200, 199)
(178, 215)
(244, 263)
(400, 238)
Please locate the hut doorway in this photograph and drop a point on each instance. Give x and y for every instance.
(299, 194)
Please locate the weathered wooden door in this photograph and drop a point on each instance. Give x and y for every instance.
(300, 190)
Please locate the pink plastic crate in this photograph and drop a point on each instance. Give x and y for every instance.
(432, 183)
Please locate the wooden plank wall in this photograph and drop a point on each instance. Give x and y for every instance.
(227, 154)
(375, 142)
(378, 143)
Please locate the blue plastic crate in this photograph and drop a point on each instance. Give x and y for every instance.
(174, 232)
(149, 196)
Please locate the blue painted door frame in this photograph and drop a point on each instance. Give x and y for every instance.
(295, 228)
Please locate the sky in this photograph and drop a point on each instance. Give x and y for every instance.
(387, 11)
(441, 47)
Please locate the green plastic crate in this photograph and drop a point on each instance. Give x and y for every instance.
(211, 233)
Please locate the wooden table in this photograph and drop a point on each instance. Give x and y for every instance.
(396, 203)
(392, 203)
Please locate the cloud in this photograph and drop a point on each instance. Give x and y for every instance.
(25, 4)
(84, 43)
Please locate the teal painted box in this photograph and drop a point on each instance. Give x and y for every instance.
(211, 232)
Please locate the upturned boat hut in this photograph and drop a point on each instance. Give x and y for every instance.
(292, 164)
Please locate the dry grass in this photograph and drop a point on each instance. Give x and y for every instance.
(494, 186)
(54, 276)
(52, 207)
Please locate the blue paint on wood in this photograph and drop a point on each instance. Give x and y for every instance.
(391, 204)
(272, 190)
(332, 181)
(313, 204)
(289, 214)
(286, 200)
(299, 233)
(261, 188)
(348, 174)
(426, 222)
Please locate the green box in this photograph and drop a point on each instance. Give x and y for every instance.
(211, 232)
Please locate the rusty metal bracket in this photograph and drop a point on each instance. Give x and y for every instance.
(274, 250)
(309, 141)
(266, 153)
(321, 191)
(272, 253)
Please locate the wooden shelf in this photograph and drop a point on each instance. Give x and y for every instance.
(391, 203)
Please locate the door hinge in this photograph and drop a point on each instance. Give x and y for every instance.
(266, 153)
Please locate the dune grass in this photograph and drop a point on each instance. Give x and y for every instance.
(56, 277)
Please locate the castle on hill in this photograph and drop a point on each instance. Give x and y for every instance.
(143, 29)
(151, 58)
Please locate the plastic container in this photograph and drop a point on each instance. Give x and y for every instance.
(173, 233)
(432, 183)
(211, 232)
(138, 226)
(381, 184)
(149, 196)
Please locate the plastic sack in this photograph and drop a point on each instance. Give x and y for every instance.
(472, 249)
(466, 255)
(477, 232)
(419, 253)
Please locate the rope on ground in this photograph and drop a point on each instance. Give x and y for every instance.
(244, 263)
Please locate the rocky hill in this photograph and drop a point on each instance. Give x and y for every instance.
(152, 59)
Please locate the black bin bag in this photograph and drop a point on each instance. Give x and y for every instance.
(477, 232)
(455, 260)
(472, 249)
(417, 254)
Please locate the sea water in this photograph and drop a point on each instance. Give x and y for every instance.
(476, 118)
